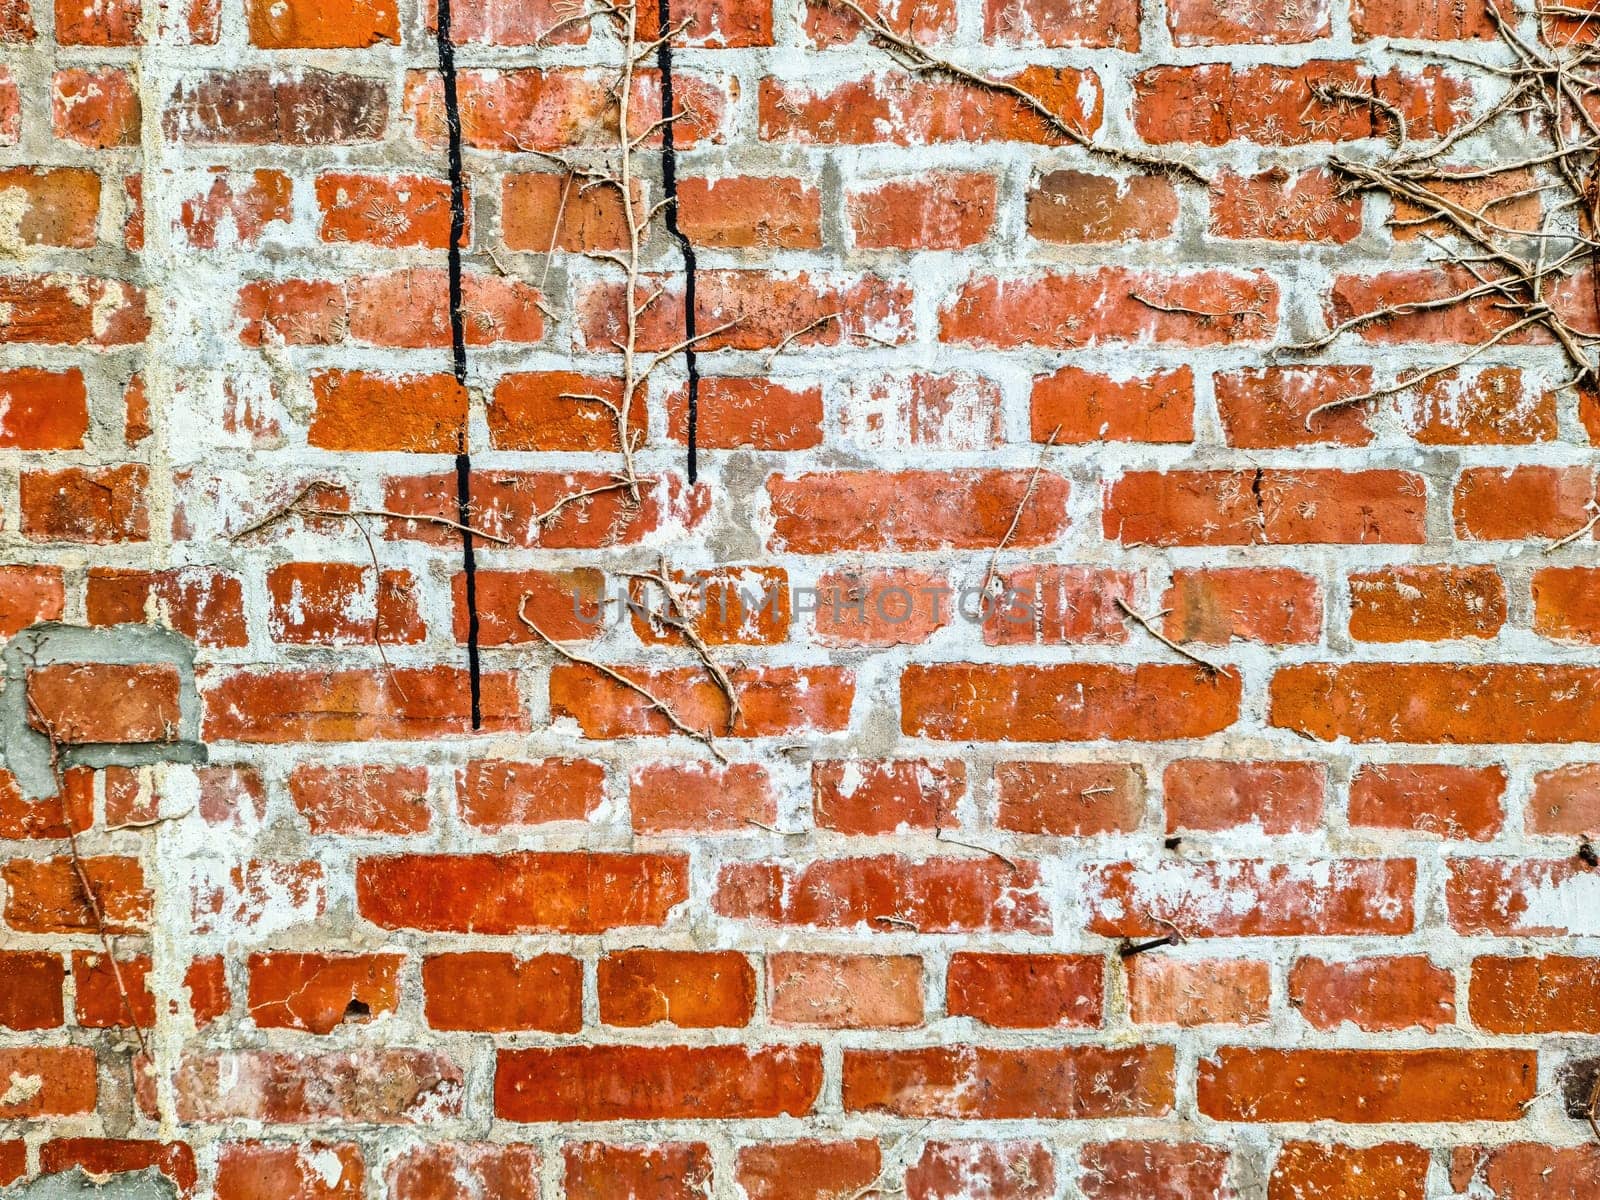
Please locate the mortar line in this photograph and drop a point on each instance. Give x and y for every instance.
(458, 346)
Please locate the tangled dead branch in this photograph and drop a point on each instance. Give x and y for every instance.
(1523, 281)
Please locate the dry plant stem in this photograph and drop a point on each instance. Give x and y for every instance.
(1593, 1111)
(938, 836)
(1147, 624)
(298, 507)
(1576, 534)
(90, 896)
(919, 61)
(1016, 517)
(656, 703)
(679, 621)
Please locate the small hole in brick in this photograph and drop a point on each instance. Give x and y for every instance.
(357, 1008)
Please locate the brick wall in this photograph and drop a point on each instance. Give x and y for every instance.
(373, 952)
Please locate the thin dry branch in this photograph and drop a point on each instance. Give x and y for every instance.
(1016, 517)
(1147, 624)
(656, 703)
(680, 621)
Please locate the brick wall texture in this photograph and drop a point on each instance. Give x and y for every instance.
(883, 942)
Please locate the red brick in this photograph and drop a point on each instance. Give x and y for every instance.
(773, 700)
(1426, 603)
(102, 506)
(1026, 991)
(1565, 606)
(1435, 20)
(545, 410)
(251, 201)
(993, 1169)
(499, 794)
(566, 605)
(1069, 799)
(59, 207)
(1266, 507)
(1060, 605)
(508, 503)
(1472, 321)
(1317, 1171)
(730, 606)
(205, 606)
(268, 1171)
(667, 1171)
(44, 895)
(97, 107)
(1213, 103)
(1269, 408)
(845, 991)
(511, 23)
(940, 210)
(1365, 1087)
(16, 25)
(363, 410)
(743, 212)
(1074, 406)
(1555, 994)
(1065, 702)
(809, 1170)
(1491, 406)
(1090, 308)
(1272, 797)
(1077, 208)
(885, 893)
(48, 817)
(830, 25)
(10, 109)
(30, 989)
(894, 607)
(231, 796)
(363, 799)
(755, 310)
(80, 703)
(1255, 604)
(1566, 801)
(206, 981)
(13, 1151)
(1492, 504)
(1192, 992)
(311, 25)
(292, 107)
(100, 1157)
(318, 992)
(985, 1083)
(690, 989)
(906, 110)
(500, 993)
(753, 414)
(257, 893)
(28, 595)
(66, 310)
(1450, 802)
(1104, 23)
(1277, 206)
(1373, 994)
(1252, 898)
(1438, 702)
(1533, 1171)
(530, 109)
(385, 210)
(352, 705)
(1199, 23)
(377, 1086)
(296, 312)
(900, 410)
(520, 892)
(544, 212)
(863, 796)
(699, 797)
(645, 1083)
(108, 998)
(65, 1078)
(1522, 897)
(410, 308)
(465, 1171)
(1131, 1170)
(914, 511)
(332, 604)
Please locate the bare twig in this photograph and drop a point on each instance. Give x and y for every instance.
(1016, 517)
(1148, 625)
(655, 702)
(680, 621)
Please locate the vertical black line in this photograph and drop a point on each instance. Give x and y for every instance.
(458, 346)
(669, 193)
